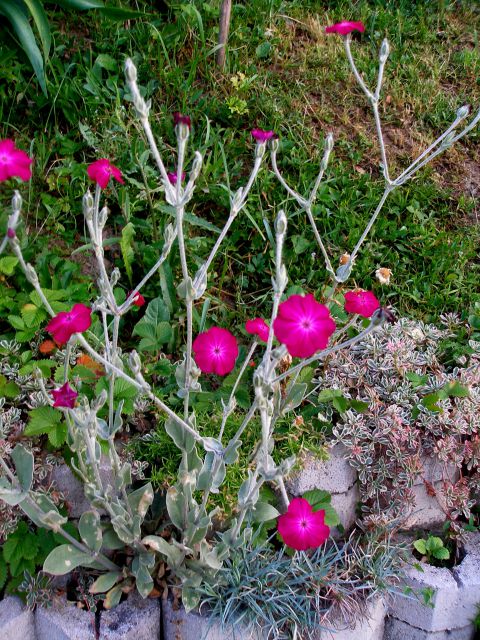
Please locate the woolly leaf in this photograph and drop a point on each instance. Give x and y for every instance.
(105, 582)
(64, 559)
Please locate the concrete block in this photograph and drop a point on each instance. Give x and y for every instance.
(72, 487)
(134, 619)
(371, 627)
(435, 470)
(467, 576)
(345, 505)
(334, 475)
(179, 625)
(16, 621)
(399, 630)
(412, 609)
(427, 512)
(64, 621)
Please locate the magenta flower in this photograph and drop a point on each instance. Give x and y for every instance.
(345, 27)
(138, 300)
(172, 177)
(178, 118)
(258, 327)
(215, 351)
(65, 396)
(303, 325)
(14, 162)
(302, 528)
(262, 136)
(102, 170)
(66, 323)
(362, 302)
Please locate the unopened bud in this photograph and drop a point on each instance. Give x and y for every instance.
(463, 112)
(130, 71)
(384, 50)
(329, 142)
(11, 233)
(281, 223)
(273, 144)
(88, 206)
(134, 362)
(17, 201)
(196, 166)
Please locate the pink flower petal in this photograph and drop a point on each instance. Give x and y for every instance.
(362, 302)
(345, 27)
(215, 351)
(258, 327)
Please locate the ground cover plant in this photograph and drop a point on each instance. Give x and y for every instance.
(99, 389)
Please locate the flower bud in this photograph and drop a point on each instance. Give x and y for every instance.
(88, 206)
(130, 71)
(329, 142)
(11, 233)
(196, 166)
(134, 362)
(16, 201)
(273, 144)
(281, 223)
(384, 50)
(463, 112)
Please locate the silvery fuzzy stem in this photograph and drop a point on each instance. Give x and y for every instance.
(230, 406)
(468, 128)
(169, 240)
(279, 282)
(323, 166)
(373, 98)
(141, 386)
(246, 420)
(236, 206)
(388, 189)
(95, 230)
(399, 180)
(142, 111)
(384, 52)
(105, 331)
(113, 354)
(410, 172)
(326, 352)
(243, 511)
(346, 41)
(347, 326)
(283, 491)
(295, 195)
(306, 205)
(13, 218)
(31, 275)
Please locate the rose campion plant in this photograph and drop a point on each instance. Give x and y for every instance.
(300, 326)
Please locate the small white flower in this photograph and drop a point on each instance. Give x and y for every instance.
(383, 275)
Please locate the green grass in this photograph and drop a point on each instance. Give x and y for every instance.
(297, 81)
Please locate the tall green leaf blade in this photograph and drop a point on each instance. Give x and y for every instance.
(126, 245)
(26, 37)
(41, 22)
(80, 4)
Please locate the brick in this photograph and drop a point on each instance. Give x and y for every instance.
(399, 630)
(64, 621)
(134, 619)
(179, 625)
(334, 475)
(16, 621)
(371, 627)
